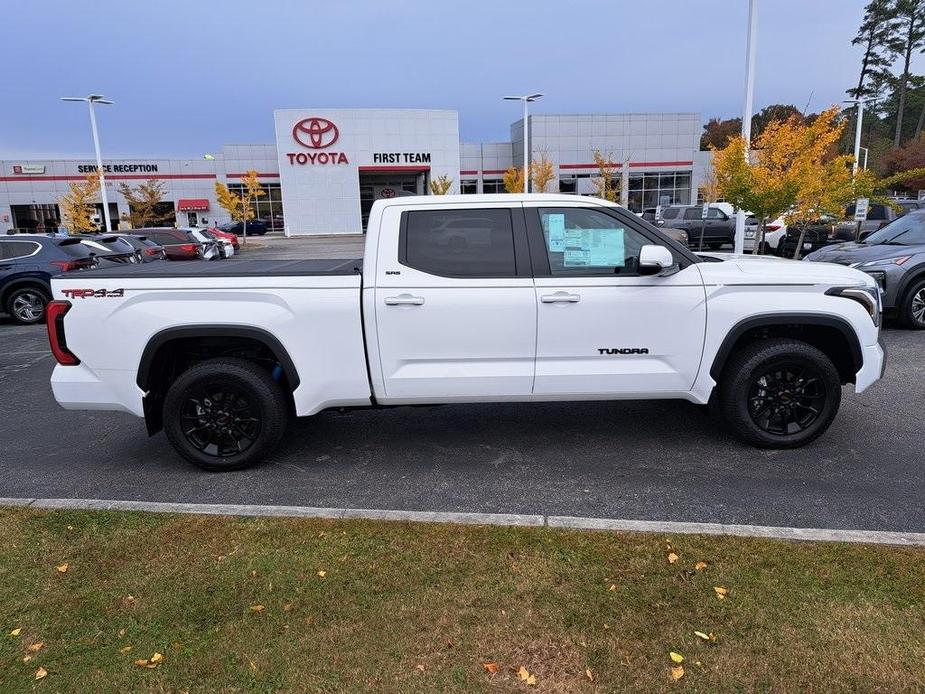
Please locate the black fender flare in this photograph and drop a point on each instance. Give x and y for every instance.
(24, 280)
(772, 319)
(269, 340)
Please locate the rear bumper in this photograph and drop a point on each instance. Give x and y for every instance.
(79, 388)
(873, 368)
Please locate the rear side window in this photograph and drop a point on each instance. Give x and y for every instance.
(459, 243)
(693, 213)
(670, 212)
(17, 249)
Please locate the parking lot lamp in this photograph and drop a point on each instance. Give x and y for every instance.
(526, 99)
(857, 135)
(96, 99)
(747, 108)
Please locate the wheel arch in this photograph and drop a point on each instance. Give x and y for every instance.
(22, 282)
(909, 279)
(830, 334)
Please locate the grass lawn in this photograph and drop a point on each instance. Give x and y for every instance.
(260, 604)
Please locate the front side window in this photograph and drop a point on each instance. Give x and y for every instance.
(459, 243)
(714, 213)
(585, 241)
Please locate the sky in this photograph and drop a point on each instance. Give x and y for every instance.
(189, 76)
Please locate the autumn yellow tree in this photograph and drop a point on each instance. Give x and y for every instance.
(541, 174)
(143, 201)
(514, 180)
(605, 184)
(240, 207)
(441, 185)
(77, 205)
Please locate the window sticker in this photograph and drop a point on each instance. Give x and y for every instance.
(594, 248)
(555, 225)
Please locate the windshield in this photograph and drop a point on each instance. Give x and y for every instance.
(908, 230)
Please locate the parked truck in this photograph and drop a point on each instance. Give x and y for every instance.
(465, 299)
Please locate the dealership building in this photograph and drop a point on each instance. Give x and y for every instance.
(328, 166)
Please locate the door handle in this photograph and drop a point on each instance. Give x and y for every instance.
(560, 297)
(404, 300)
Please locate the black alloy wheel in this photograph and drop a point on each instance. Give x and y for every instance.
(787, 398)
(220, 420)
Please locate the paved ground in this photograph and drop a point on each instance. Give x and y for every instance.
(634, 460)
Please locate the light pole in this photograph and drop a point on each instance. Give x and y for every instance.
(857, 136)
(747, 108)
(526, 99)
(96, 99)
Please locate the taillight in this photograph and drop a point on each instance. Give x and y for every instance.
(772, 227)
(189, 247)
(54, 321)
(66, 265)
(152, 252)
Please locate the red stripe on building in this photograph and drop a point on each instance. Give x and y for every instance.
(494, 171)
(395, 168)
(259, 175)
(469, 172)
(633, 164)
(109, 177)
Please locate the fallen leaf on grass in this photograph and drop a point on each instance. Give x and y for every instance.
(613, 586)
(62, 568)
(672, 557)
(41, 673)
(26, 658)
(706, 637)
(142, 662)
(588, 674)
(700, 565)
(129, 601)
(490, 668)
(419, 667)
(676, 657)
(525, 676)
(16, 632)
(125, 649)
(721, 592)
(257, 608)
(121, 633)
(322, 574)
(36, 647)
(677, 672)
(151, 662)
(287, 607)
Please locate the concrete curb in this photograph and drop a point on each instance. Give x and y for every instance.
(505, 519)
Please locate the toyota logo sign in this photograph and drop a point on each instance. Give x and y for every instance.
(315, 133)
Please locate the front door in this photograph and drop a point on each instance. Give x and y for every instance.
(454, 305)
(602, 328)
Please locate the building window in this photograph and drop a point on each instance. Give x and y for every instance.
(469, 186)
(266, 206)
(666, 188)
(494, 185)
(568, 185)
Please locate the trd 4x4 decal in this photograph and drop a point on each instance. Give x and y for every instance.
(93, 293)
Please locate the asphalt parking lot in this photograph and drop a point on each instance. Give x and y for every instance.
(634, 460)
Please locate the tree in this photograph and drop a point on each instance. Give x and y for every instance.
(441, 185)
(143, 201)
(718, 132)
(774, 112)
(541, 173)
(910, 37)
(514, 180)
(875, 34)
(910, 156)
(604, 184)
(241, 207)
(77, 205)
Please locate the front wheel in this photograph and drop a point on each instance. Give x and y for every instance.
(779, 393)
(225, 414)
(913, 307)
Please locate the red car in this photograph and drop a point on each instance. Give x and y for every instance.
(225, 235)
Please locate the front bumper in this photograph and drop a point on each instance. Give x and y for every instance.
(873, 368)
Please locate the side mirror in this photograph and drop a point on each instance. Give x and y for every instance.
(654, 259)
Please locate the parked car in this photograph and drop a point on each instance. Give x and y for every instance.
(146, 250)
(212, 247)
(224, 245)
(895, 257)
(27, 264)
(274, 222)
(177, 244)
(774, 232)
(233, 238)
(878, 216)
(255, 227)
(815, 235)
(112, 248)
(718, 228)
(600, 306)
(678, 235)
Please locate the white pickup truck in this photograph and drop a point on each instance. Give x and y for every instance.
(472, 298)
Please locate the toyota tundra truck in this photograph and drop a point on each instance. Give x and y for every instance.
(465, 299)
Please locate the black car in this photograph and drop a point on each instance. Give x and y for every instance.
(818, 234)
(255, 227)
(28, 262)
(717, 229)
(146, 250)
(111, 248)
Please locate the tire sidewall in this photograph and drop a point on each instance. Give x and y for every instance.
(265, 393)
(26, 290)
(908, 319)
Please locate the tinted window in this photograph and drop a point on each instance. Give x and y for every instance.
(692, 213)
(670, 212)
(17, 249)
(907, 230)
(714, 213)
(877, 212)
(75, 249)
(584, 241)
(459, 243)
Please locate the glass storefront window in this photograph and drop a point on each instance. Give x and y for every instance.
(267, 206)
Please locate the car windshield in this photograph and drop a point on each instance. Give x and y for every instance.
(908, 230)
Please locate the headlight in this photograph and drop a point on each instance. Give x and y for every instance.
(884, 261)
(868, 297)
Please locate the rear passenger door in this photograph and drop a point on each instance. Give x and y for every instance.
(454, 304)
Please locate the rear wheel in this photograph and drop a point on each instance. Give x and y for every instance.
(225, 414)
(779, 393)
(27, 305)
(913, 307)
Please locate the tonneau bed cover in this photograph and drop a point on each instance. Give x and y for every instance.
(228, 268)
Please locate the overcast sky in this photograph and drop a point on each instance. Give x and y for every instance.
(188, 76)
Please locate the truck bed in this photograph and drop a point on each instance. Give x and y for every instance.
(228, 268)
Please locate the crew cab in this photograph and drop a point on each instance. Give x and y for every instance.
(528, 298)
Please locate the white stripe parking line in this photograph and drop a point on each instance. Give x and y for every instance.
(671, 527)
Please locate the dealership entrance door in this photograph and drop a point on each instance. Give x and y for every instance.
(379, 184)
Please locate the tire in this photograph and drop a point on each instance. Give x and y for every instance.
(229, 403)
(26, 305)
(912, 311)
(763, 401)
